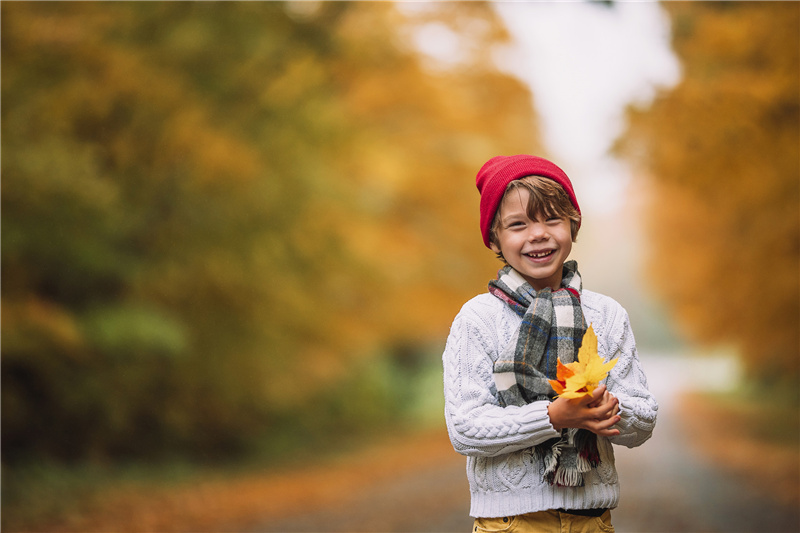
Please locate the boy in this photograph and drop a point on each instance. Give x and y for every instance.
(536, 462)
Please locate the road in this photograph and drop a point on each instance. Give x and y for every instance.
(666, 485)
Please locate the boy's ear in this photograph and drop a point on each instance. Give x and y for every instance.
(494, 247)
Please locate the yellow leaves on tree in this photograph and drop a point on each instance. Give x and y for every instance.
(185, 174)
(580, 378)
(719, 155)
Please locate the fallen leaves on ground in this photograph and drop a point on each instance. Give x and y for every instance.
(236, 502)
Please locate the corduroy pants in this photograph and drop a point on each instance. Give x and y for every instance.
(545, 522)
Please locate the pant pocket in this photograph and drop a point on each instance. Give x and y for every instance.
(503, 524)
(604, 522)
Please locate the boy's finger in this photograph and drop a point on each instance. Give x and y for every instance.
(600, 401)
(607, 432)
(606, 409)
(598, 392)
(595, 398)
(601, 425)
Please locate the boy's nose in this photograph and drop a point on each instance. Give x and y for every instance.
(537, 232)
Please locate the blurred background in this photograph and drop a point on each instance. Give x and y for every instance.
(235, 234)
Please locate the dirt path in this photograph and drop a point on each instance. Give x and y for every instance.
(432, 498)
(667, 486)
(418, 484)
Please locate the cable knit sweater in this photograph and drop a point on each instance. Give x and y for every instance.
(504, 478)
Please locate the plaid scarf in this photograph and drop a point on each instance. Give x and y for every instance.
(552, 328)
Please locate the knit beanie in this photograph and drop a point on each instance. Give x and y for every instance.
(498, 172)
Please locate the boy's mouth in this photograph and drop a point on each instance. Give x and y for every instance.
(540, 255)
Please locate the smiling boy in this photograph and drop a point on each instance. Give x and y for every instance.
(536, 462)
(535, 242)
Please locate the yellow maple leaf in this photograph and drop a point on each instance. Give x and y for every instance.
(581, 377)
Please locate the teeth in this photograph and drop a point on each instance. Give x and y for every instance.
(538, 255)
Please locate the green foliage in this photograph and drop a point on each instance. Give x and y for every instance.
(213, 212)
(130, 332)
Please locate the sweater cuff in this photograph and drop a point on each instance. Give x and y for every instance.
(537, 421)
(633, 428)
(628, 417)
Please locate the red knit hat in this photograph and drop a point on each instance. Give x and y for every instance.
(498, 172)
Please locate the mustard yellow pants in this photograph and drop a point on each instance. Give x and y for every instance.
(545, 522)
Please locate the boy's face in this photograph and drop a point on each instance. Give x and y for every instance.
(536, 248)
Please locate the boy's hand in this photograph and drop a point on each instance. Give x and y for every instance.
(596, 413)
(604, 399)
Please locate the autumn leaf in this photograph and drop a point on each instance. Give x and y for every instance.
(581, 377)
(562, 373)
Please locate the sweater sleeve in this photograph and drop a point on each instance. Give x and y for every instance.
(627, 381)
(477, 424)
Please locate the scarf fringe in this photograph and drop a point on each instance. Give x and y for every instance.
(570, 473)
(550, 458)
(586, 443)
(567, 477)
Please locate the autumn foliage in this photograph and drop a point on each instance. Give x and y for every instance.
(234, 226)
(722, 152)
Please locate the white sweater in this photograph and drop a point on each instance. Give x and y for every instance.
(504, 478)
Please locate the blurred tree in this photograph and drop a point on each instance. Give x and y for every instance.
(210, 211)
(723, 149)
